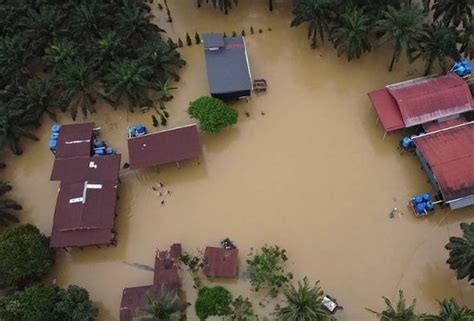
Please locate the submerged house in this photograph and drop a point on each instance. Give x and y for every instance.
(421, 100)
(447, 156)
(228, 69)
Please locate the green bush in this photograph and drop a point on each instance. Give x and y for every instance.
(213, 115)
(213, 302)
(48, 303)
(25, 256)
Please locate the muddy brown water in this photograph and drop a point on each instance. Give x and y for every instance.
(308, 170)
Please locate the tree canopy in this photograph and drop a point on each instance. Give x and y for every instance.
(213, 115)
(461, 252)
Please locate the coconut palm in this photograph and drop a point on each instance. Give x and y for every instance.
(127, 82)
(167, 307)
(350, 36)
(15, 124)
(43, 26)
(164, 89)
(109, 48)
(451, 311)
(467, 40)
(86, 18)
(317, 13)
(401, 26)
(399, 312)
(14, 60)
(134, 22)
(164, 59)
(303, 303)
(461, 252)
(453, 11)
(76, 81)
(438, 42)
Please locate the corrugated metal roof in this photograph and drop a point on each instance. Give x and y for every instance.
(387, 110)
(425, 99)
(450, 155)
(227, 68)
(80, 169)
(84, 214)
(164, 147)
(166, 270)
(213, 40)
(435, 126)
(221, 263)
(75, 140)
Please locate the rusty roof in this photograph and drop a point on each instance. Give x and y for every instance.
(79, 169)
(450, 155)
(166, 270)
(221, 263)
(164, 147)
(84, 214)
(421, 100)
(75, 140)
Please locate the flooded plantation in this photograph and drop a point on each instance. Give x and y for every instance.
(305, 167)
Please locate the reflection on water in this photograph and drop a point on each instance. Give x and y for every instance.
(306, 169)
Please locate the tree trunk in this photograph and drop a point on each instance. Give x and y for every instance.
(270, 5)
(392, 62)
(168, 12)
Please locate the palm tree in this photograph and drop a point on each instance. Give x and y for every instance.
(86, 18)
(350, 36)
(167, 307)
(400, 312)
(453, 11)
(76, 81)
(15, 124)
(402, 26)
(304, 303)
(43, 26)
(164, 59)
(6, 206)
(317, 13)
(127, 82)
(438, 42)
(14, 60)
(133, 22)
(164, 89)
(467, 40)
(36, 98)
(451, 311)
(109, 48)
(461, 252)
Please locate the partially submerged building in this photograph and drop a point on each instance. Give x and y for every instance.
(165, 278)
(447, 156)
(422, 100)
(228, 69)
(168, 146)
(221, 263)
(87, 196)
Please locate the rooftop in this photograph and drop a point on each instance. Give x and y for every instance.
(169, 146)
(450, 154)
(221, 263)
(166, 271)
(75, 140)
(421, 100)
(80, 169)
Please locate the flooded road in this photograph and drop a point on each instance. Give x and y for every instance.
(307, 170)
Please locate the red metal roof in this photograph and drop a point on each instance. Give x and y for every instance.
(80, 169)
(164, 147)
(134, 299)
(450, 154)
(84, 214)
(221, 263)
(75, 140)
(166, 271)
(421, 100)
(387, 110)
(434, 125)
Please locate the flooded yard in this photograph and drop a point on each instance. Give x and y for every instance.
(307, 170)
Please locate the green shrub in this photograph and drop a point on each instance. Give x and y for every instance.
(267, 269)
(48, 303)
(213, 302)
(213, 115)
(25, 256)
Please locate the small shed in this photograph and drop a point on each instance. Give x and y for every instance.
(221, 263)
(166, 270)
(228, 69)
(168, 146)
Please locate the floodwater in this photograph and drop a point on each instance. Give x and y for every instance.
(307, 170)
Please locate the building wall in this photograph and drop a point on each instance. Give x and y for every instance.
(463, 202)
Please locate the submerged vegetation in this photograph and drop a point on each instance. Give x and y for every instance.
(89, 50)
(461, 252)
(215, 301)
(213, 115)
(167, 307)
